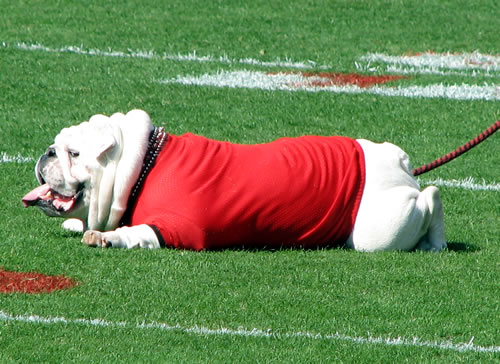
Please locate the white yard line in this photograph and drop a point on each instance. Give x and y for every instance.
(456, 61)
(191, 57)
(257, 333)
(298, 82)
(472, 64)
(464, 184)
(6, 158)
(400, 70)
(445, 64)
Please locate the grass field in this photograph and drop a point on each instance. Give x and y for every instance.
(203, 68)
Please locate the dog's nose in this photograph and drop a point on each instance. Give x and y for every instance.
(50, 152)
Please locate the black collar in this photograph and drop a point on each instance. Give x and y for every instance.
(157, 139)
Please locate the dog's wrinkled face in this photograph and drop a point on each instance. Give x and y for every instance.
(56, 195)
(71, 168)
(90, 169)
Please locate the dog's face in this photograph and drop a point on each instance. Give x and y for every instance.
(77, 173)
(71, 169)
(57, 194)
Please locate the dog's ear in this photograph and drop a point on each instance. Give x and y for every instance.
(105, 147)
(102, 130)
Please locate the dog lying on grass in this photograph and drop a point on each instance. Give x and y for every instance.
(125, 183)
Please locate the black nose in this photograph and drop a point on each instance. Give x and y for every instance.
(50, 152)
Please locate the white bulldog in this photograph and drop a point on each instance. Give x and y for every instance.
(125, 183)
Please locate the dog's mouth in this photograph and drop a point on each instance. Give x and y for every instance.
(48, 199)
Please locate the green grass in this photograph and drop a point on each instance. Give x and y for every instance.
(446, 297)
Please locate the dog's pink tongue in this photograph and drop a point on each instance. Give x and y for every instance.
(32, 197)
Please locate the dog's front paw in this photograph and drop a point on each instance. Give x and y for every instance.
(73, 225)
(95, 238)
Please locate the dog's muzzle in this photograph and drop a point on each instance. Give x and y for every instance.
(49, 196)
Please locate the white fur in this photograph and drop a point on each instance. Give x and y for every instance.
(74, 225)
(135, 128)
(111, 153)
(394, 214)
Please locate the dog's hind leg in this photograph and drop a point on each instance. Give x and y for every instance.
(394, 214)
(401, 218)
(434, 238)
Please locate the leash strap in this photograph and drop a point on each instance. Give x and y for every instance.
(457, 152)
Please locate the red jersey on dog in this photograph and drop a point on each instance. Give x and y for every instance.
(293, 192)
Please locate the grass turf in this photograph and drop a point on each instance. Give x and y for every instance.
(452, 296)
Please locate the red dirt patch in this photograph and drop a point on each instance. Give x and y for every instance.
(351, 79)
(325, 79)
(25, 282)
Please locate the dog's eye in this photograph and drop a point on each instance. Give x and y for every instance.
(50, 152)
(74, 153)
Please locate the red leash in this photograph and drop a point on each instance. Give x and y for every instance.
(457, 152)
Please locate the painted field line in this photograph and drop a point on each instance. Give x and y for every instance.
(191, 57)
(446, 64)
(395, 69)
(5, 158)
(465, 184)
(298, 82)
(257, 333)
(457, 61)
(466, 64)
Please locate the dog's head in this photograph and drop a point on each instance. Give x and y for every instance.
(89, 170)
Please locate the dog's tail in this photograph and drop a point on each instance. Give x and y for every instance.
(457, 152)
